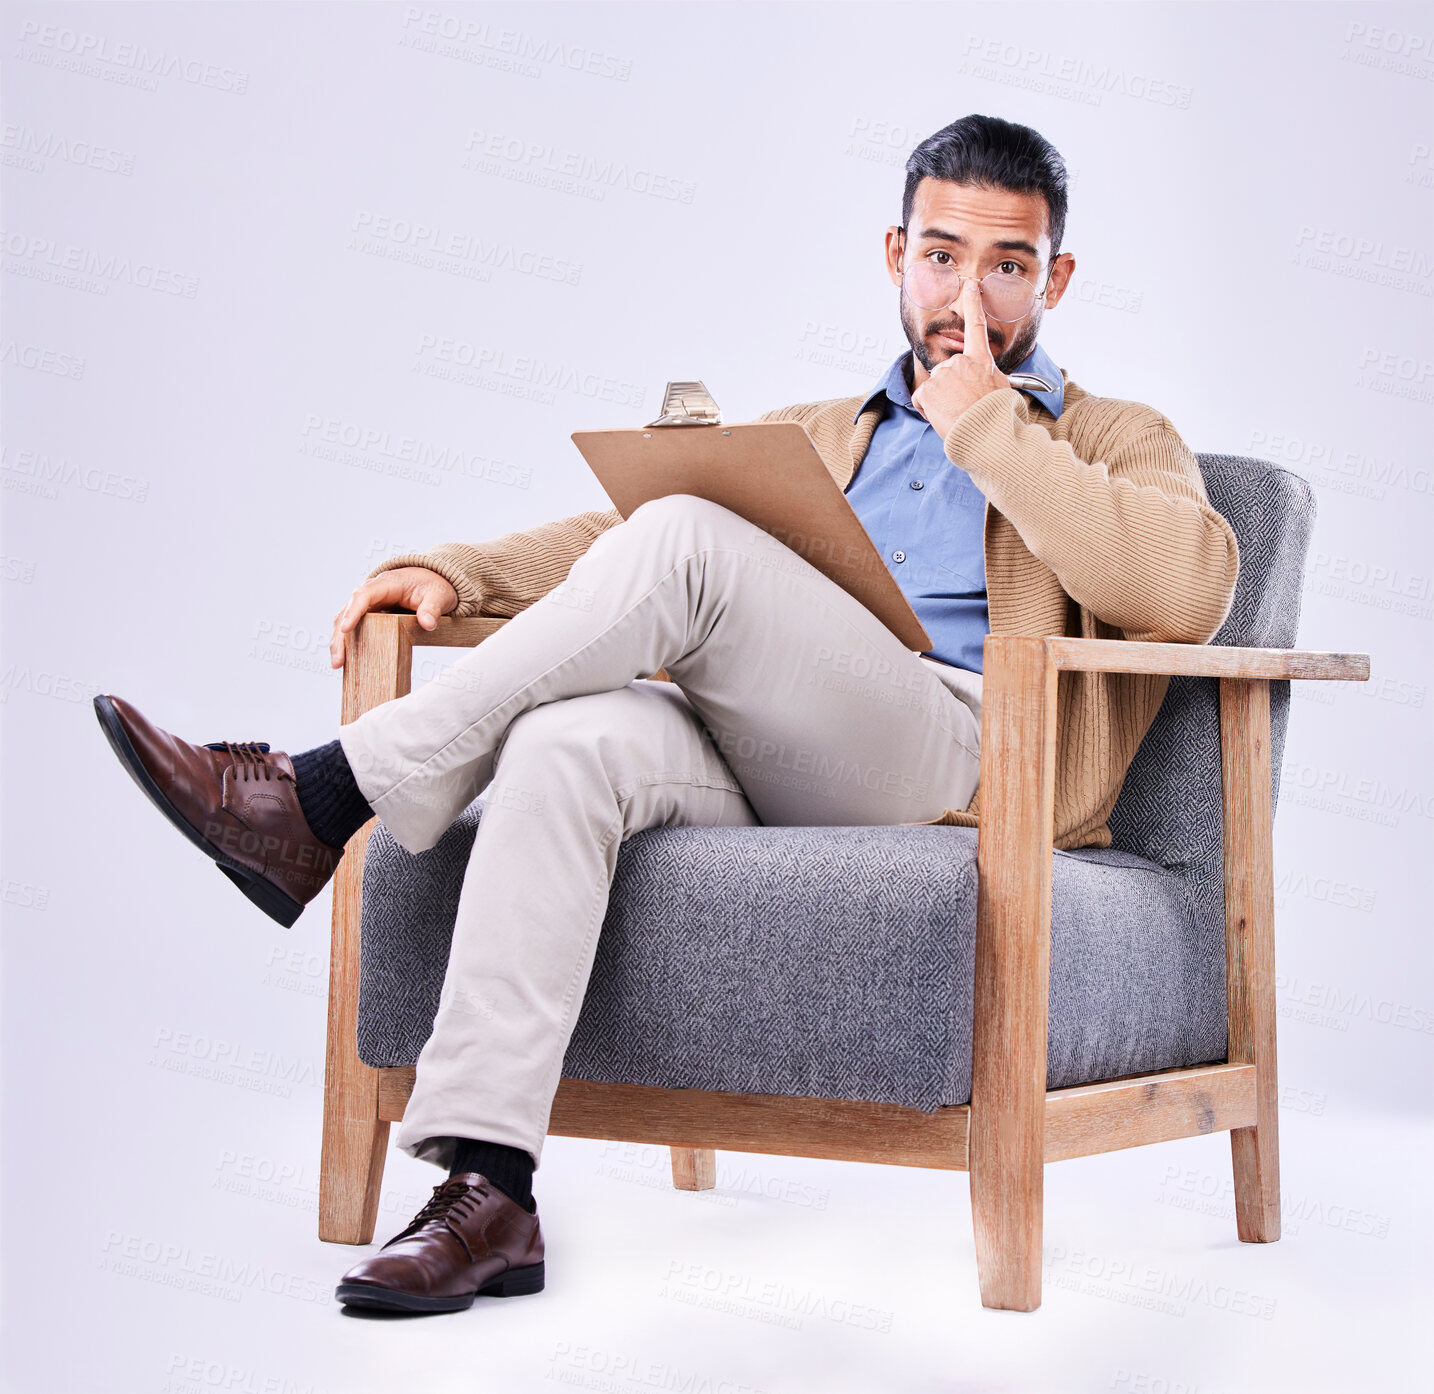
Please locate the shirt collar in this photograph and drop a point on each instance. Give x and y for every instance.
(1037, 361)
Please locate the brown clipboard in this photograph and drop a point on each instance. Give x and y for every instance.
(771, 474)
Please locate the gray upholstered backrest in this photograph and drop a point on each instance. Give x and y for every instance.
(1169, 805)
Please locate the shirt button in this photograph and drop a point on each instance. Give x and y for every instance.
(898, 556)
(917, 484)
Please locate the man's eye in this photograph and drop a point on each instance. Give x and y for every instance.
(1012, 268)
(939, 253)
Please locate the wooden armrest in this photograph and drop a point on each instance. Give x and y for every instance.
(449, 633)
(378, 654)
(1204, 660)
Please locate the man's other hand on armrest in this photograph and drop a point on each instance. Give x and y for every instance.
(414, 588)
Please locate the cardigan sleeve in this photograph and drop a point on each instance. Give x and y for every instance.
(507, 574)
(1130, 534)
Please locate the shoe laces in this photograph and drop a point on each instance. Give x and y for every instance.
(248, 758)
(447, 1201)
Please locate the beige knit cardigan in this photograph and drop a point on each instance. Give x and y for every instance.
(1097, 526)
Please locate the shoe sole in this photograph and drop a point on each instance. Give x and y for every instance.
(269, 898)
(515, 1282)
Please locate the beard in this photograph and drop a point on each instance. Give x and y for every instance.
(1008, 353)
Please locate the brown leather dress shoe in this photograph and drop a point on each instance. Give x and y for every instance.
(469, 1240)
(235, 800)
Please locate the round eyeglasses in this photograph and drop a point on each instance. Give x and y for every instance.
(1005, 298)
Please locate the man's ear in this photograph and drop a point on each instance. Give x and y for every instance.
(1061, 273)
(893, 253)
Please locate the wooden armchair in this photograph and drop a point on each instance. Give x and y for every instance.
(1013, 1124)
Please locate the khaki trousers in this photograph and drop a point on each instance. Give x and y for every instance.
(791, 704)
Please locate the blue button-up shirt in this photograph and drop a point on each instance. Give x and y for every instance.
(927, 517)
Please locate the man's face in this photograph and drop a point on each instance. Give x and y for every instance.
(975, 231)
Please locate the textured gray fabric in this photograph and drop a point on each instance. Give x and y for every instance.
(1169, 805)
(837, 962)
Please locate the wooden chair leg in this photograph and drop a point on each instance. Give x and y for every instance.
(694, 1168)
(1013, 933)
(355, 1141)
(1250, 948)
(350, 1172)
(378, 666)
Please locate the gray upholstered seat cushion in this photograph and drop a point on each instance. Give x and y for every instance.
(837, 962)
(834, 962)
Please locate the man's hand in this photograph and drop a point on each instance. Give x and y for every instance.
(414, 588)
(963, 379)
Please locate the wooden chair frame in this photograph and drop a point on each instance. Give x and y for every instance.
(1013, 1125)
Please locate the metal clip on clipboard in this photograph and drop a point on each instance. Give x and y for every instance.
(688, 404)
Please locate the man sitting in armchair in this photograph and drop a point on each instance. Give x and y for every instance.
(998, 509)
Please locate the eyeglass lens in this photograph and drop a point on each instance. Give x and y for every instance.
(932, 287)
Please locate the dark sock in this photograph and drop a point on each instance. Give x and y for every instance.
(333, 806)
(510, 1169)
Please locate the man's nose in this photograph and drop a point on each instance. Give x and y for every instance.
(960, 289)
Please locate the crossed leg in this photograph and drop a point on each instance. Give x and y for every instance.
(791, 704)
(574, 779)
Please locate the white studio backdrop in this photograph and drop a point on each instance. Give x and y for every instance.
(289, 289)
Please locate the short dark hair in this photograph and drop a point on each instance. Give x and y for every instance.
(992, 153)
